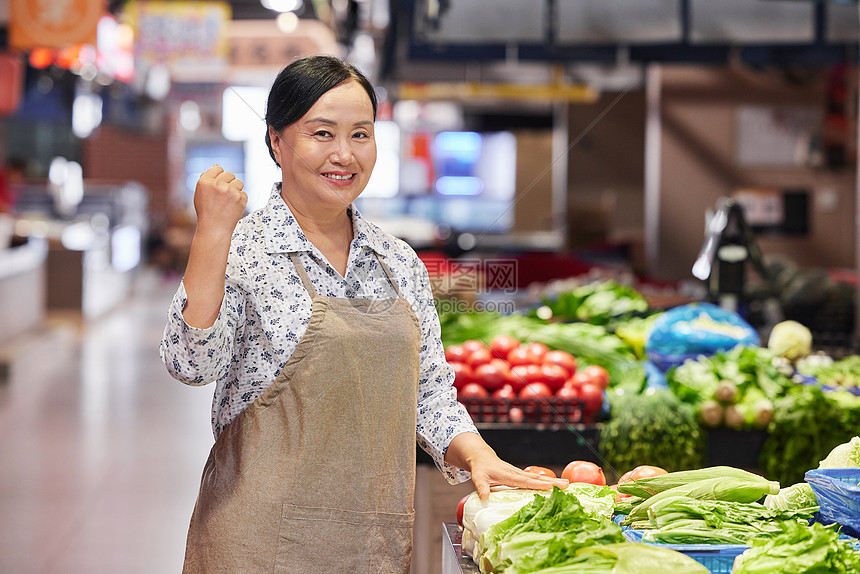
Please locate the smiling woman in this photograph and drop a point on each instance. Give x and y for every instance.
(319, 331)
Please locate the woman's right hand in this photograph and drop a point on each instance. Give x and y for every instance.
(219, 201)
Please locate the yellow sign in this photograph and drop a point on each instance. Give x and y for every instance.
(53, 23)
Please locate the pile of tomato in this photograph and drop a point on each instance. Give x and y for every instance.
(507, 369)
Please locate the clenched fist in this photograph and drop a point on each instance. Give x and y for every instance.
(219, 201)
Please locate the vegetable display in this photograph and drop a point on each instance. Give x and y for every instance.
(598, 303)
(653, 427)
(734, 388)
(799, 549)
(807, 424)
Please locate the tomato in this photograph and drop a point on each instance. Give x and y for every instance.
(506, 393)
(625, 477)
(579, 378)
(644, 471)
(568, 392)
(472, 391)
(553, 375)
(563, 359)
(460, 507)
(456, 353)
(502, 345)
(520, 356)
(516, 415)
(479, 356)
(491, 376)
(592, 397)
(462, 374)
(521, 375)
(538, 351)
(537, 390)
(597, 375)
(473, 345)
(584, 471)
(540, 470)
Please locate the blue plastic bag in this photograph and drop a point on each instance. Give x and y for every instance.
(688, 331)
(838, 495)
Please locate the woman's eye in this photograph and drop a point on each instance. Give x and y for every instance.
(361, 135)
(323, 133)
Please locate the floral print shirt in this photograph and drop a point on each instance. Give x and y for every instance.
(266, 310)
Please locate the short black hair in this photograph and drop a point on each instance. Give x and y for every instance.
(299, 85)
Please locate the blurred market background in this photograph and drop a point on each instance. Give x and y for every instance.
(650, 186)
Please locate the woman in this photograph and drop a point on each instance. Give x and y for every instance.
(323, 342)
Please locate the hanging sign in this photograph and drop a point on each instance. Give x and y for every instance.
(183, 36)
(53, 24)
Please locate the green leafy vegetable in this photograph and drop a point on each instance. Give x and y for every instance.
(685, 520)
(515, 537)
(792, 497)
(799, 549)
(597, 303)
(626, 558)
(653, 427)
(843, 456)
(807, 424)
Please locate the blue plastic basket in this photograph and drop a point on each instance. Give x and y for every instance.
(838, 496)
(717, 558)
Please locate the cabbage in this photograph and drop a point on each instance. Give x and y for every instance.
(795, 497)
(503, 502)
(790, 339)
(843, 456)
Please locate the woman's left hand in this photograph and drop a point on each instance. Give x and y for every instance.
(469, 451)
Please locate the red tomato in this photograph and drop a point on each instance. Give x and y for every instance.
(563, 359)
(538, 351)
(516, 415)
(460, 507)
(473, 345)
(462, 374)
(521, 375)
(644, 471)
(479, 356)
(472, 391)
(540, 470)
(491, 376)
(502, 345)
(520, 356)
(553, 375)
(537, 390)
(625, 477)
(584, 471)
(592, 397)
(507, 393)
(579, 378)
(568, 392)
(597, 375)
(456, 353)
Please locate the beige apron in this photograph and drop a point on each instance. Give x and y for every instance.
(318, 474)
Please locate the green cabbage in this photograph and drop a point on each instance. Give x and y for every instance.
(843, 456)
(795, 497)
(790, 339)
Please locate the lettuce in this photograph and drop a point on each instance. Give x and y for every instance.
(624, 558)
(794, 497)
(800, 549)
(843, 456)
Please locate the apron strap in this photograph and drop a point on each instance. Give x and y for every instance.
(303, 275)
(391, 278)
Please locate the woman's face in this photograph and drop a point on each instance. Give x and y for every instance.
(327, 156)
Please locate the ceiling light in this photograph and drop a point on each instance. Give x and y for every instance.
(282, 5)
(288, 22)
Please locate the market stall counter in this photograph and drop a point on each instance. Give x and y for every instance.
(454, 560)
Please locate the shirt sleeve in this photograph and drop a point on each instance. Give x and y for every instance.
(200, 356)
(440, 416)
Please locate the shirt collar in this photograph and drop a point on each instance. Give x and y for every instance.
(283, 234)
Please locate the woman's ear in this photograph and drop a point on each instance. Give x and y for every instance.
(275, 143)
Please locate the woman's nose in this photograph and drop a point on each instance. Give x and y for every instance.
(342, 151)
